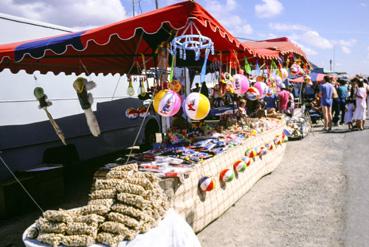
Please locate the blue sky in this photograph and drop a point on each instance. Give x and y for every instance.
(321, 28)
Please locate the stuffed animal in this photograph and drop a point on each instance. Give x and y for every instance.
(81, 85)
(44, 104)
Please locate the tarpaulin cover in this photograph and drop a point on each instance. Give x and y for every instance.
(116, 47)
(315, 77)
(282, 45)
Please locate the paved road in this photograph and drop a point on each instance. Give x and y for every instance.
(317, 197)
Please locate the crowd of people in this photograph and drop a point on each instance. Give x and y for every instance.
(344, 102)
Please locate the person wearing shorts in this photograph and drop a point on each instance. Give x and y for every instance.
(326, 101)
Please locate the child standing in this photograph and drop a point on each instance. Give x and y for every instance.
(349, 112)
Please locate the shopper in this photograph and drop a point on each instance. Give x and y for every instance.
(283, 97)
(342, 92)
(360, 110)
(349, 112)
(326, 101)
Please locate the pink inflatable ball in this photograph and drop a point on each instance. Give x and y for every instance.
(167, 103)
(240, 84)
(262, 88)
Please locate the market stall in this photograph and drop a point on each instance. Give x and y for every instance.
(198, 169)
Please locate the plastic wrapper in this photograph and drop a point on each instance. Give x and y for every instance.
(46, 226)
(58, 215)
(109, 239)
(89, 219)
(105, 184)
(104, 202)
(103, 194)
(133, 200)
(130, 211)
(77, 240)
(118, 228)
(124, 219)
(131, 188)
(52, 239)
(78, 228)
(95, 209)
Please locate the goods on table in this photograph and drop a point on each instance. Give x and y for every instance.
(124, 202)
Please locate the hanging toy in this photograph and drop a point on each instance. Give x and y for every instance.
(296, 69)
(206, 184)
(226, 175)
(81, 85)
(44, 104)
(284, 74)
(175, 85)
(239, 166)
(262, 88)
(130, 89)
(252, 94)
(167, 103)
(240, 84)
(196, 106)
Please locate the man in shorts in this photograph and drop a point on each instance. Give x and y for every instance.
(326, 101)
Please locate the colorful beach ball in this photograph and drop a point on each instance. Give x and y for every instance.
(252, 93)
(196, 106)
(167, 103)
(247, 160)
(206, 184)
(262, 88)
(240, 84)
(269, 146)
(251, 153)
(239, 166)
(227, 175)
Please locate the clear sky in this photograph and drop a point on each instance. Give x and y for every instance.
(323, 28)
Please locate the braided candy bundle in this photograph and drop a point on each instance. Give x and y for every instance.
(123, 203)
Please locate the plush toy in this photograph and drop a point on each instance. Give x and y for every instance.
(226, 175)
(206, 184)
(44, 104)
(81, 85)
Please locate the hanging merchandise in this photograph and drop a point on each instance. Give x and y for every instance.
(206, 184)
(240, 84)
(262, 88)
(167, 103)
(81, 85)
(142, 87)
(196, 106)
(239, 166)
(130, 89)
(226, 175)
(44, 104)
(175, 85)
(247, 67)
(192, 40)
(257, 68)
(296, 69)
(252, 94)
(284, 73)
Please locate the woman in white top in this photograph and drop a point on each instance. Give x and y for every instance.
(360, 110)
